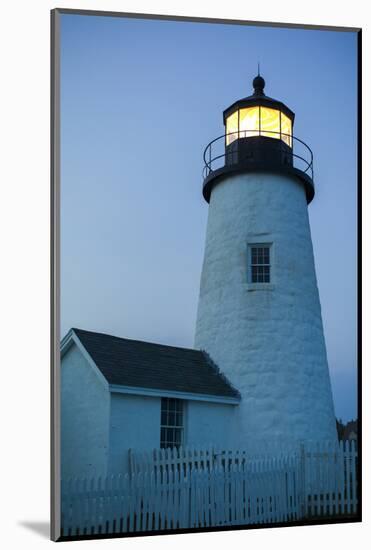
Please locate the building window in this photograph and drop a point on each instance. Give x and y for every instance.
(260, 264)
(172, 425)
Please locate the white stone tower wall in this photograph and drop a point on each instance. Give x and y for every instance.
(269, 342)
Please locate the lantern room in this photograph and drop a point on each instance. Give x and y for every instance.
(258, 137)
(258, 115)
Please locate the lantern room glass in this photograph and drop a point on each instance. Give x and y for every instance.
(286, 128)
(259, 121)
(232, 127)
(249, 122)
(270, 122)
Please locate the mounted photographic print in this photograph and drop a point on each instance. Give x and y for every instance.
(206, 191)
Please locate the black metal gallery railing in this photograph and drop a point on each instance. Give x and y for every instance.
(218, 153)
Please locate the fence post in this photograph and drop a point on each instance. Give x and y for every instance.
(303, 497)
(130, 462)
(353, 449)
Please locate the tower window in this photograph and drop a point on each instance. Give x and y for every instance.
(172, 425)
(260, 266)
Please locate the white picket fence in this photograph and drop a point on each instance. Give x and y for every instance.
(168, 459)
(207, 457)
(210, 491)
(330, 479)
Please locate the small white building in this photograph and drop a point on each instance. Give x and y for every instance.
(119, 394)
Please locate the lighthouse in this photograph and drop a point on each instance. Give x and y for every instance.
(259, 314)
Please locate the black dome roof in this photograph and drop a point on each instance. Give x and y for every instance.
(258, 98)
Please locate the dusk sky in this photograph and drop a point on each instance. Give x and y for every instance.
(140, 101)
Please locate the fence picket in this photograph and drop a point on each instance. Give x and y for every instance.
(92, 505)
(347, 475)
(354, 456)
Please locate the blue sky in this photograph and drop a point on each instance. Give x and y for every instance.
(140, 99)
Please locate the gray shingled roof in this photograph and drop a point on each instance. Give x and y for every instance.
(155, 366)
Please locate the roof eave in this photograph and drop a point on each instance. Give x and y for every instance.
(190, 396)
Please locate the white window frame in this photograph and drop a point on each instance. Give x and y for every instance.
(260, 285)
(172, 426)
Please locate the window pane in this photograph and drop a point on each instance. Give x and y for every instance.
(232, 126)
(260, 256)
(286, 128)
(270, 122)
(249, 122)
(163, 435)
(171, 432)
(178, 438)
(253, 255)
(260, 264)
(171, 405)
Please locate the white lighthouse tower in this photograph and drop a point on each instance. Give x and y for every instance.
(259, 314)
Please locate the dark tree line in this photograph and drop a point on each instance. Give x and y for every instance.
(346, 431)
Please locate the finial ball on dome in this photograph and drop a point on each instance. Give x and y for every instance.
(258, 84)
